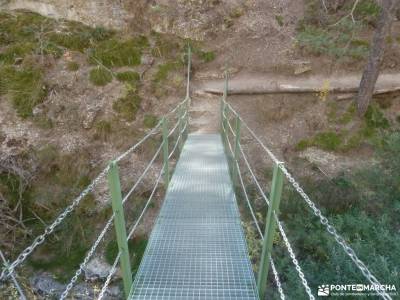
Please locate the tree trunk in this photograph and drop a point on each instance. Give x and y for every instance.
(371, 72)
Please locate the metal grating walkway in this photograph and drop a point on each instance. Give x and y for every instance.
(197, 249)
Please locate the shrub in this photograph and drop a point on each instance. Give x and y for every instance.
(128, 76)
(128, 106)
(100, 76)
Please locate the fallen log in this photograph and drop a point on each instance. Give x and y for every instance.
(292, 89)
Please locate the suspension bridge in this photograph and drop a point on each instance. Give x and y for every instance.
(197, 248)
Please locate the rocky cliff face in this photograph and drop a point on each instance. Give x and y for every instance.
(109, 13)
(194, 19)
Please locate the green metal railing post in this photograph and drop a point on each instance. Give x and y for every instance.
(120, 229)
(270, 225)
(223, 110)
(189, 66)
(165, 150)
(181, 134)
(237, 150)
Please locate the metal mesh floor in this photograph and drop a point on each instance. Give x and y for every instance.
(197, 249)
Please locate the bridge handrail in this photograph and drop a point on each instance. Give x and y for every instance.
(317, 212)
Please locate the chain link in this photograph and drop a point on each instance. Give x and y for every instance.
(277, 280)
(294, 260)
(70, 285)
(109, 277)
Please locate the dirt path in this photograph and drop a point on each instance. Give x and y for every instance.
(268, 83)
(203, 113)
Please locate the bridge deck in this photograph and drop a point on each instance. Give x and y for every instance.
(197, 249)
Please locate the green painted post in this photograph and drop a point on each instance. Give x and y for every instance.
(119, 223)
(270, 225)
(222, 116)
(223, 109)
(236, 150)
(225, 125)
(189, 66)
(225, 94)
(181, 112)
(165, 150)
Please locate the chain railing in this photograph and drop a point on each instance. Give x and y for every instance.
(226, 130)
(181, 114)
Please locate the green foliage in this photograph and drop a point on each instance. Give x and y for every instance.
(130, 76)
(58, 259)
(367, 132)
(375, 118)
(363, 206)
(328, 140)
(367, 10)
(25, 86)
(100, 76)
(14, 51)
(58, 179)
(128, 105)
(24, 33)
(150, 120)
(206, 56)
(72, 66)
(12, 188)
(78, 37)
(338, 41)
(117, 53)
